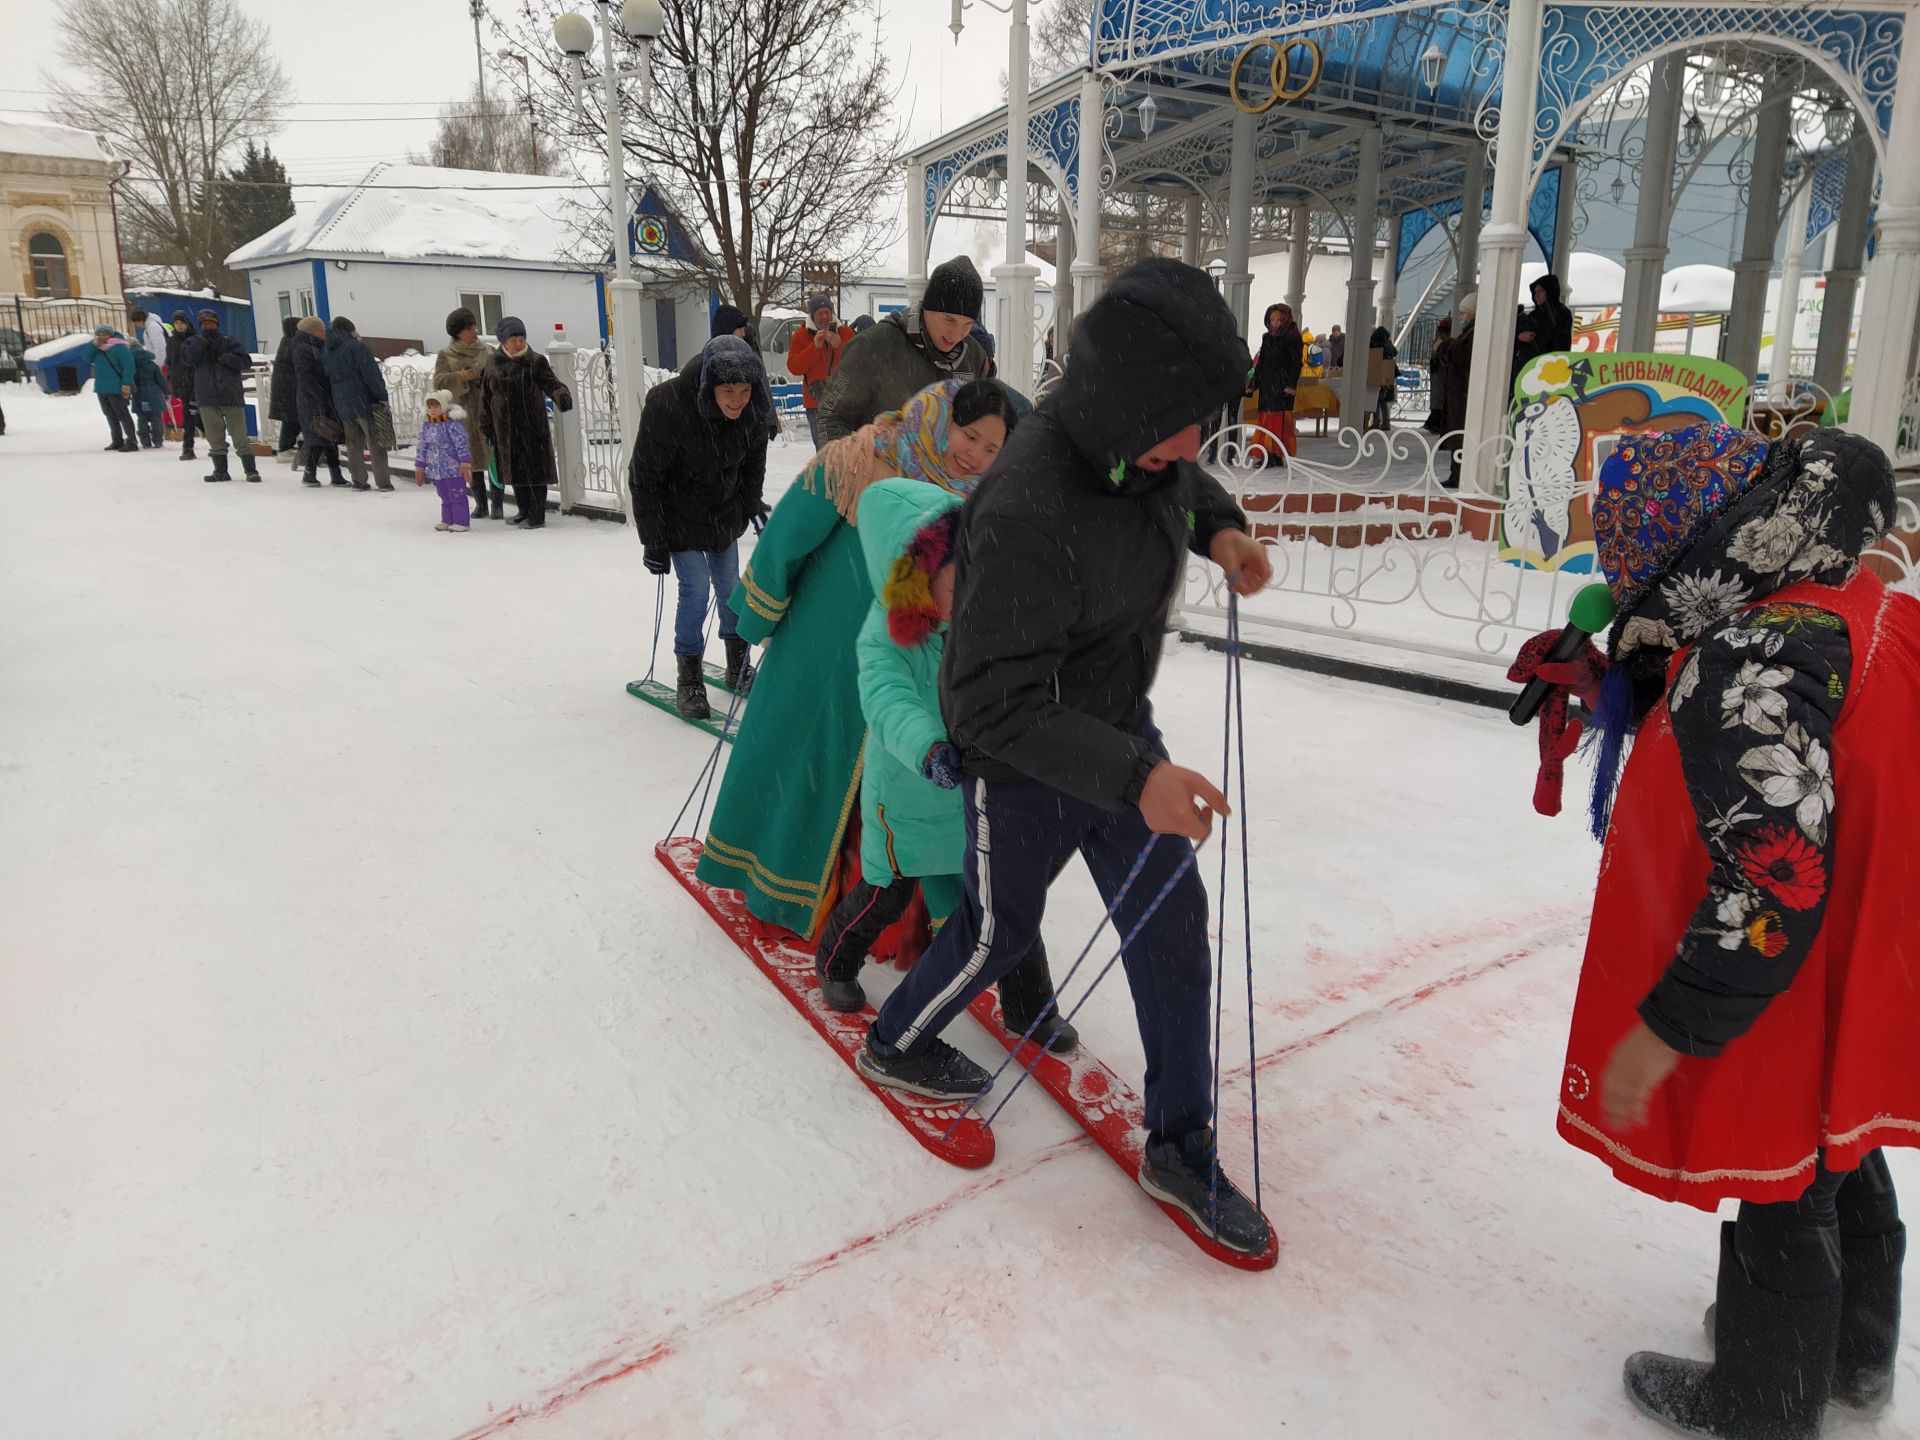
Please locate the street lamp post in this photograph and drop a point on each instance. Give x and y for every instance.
(1013, 282)
(533, 123)
(477, 11)
(573, 33)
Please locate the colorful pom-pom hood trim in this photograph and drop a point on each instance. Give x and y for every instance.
(908, 593)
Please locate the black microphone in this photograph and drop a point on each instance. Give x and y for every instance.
(1592, 612)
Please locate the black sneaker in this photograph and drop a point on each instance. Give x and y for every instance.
(1181, 1173)
(939, 1072)
(1052, 1034)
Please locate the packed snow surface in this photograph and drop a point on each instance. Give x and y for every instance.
(365, 1076)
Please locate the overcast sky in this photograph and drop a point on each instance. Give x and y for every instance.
(368, 75)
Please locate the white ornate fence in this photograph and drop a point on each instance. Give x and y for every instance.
(1372, 546)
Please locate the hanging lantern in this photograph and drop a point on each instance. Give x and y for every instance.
(1431, 64)
(1837, 122)
(1695, 132)
(1149, 115)
(1713, 86)
(1618, 189)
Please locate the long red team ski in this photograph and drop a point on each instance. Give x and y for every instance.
(1112, 1114)
(788, 963)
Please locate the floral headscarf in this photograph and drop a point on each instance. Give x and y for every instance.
(908, 443)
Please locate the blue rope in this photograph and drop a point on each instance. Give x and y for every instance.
(1220, 942)
(1053, 1003)
(1235, 661)
(1158, 900)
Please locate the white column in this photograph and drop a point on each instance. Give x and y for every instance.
(1389, 280)
(1190, 234)
(1089, 275)
(1647, 256)
(1505, 245)
(623, 295)
(1013, 282)
(1299, 257)
(1064, 260)
(1356, 396)
(1890, 302)
(1239, 278)
(1786, 310)
(1762, 234)
(1563, 222)
(917, 228)
(1843, 276)
(1473, 199)
(569, 453)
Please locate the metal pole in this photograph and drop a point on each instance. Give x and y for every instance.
(1786, 310)
(478, 9)
(1088, 273)
(624, 294)
(1647, 256)
(1847, 257)
(1014, 281)
(1741, 334)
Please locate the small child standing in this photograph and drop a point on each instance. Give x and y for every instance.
(149, 397)
(443, 456)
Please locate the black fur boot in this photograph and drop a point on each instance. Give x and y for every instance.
(690, 693)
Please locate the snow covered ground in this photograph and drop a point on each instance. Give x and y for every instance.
(365, 1076)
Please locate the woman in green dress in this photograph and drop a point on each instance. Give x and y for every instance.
(793, 777)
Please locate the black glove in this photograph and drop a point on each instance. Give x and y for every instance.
(563, 401)
(942, 766)
(758, 520)
(658, 562)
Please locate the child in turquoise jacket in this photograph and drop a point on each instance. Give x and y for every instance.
(912, 829)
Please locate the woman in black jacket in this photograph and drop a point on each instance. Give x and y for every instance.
(514, 391)
(1544, 329)
(696, 480)
(1276, 377)
(282, 403)
(313, 400)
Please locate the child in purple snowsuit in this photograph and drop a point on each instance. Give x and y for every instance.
(442, 456)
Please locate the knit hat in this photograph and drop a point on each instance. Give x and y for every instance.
(726, 320)
(862, 324)
(206, 315)
(342, 324)
(179, 315)
(1469, 303)
(312, 325)
(729, 360)
(817, 303)
(954, 289)
(509, 326)
(908, 594)
(1658, 492)
(103, 328)
(442, 398)
(458, 320)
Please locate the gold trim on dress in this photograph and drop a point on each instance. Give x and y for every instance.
(1691, 1177)
(798, 891)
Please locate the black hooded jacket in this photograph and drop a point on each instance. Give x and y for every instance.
(888, 366)
(283, 404)
(179, 373)
(1069, 557)
(219, 364)
(1550, 324)
(696, 477)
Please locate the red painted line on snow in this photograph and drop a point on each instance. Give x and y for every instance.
(629, 1362)
(626, 1363)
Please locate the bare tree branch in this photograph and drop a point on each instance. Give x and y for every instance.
(221, 87)
(500, 135)
(771, 132)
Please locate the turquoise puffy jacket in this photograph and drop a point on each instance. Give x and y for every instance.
(113, 365)
(911, 826)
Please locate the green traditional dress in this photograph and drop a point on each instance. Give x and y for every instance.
(793, 777)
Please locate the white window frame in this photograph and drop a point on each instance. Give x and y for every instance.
(306, 303)
(286, 305)
(488, 306)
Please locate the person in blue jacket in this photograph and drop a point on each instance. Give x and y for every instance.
(113, 385)
(149, 398)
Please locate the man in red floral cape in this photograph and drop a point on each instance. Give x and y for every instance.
(1744, 1022)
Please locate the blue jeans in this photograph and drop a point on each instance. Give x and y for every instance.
(697, 572)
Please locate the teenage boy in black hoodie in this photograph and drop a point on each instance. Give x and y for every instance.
(1069, 556)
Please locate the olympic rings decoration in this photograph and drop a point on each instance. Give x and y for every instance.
(1280, 73)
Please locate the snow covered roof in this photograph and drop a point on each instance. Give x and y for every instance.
(423, 212)
(45, 138)
(49, 348)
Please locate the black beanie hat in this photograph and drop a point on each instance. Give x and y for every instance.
(726, 320)
(954, 289)
(341, 323)
(179, 315)
(458, 320)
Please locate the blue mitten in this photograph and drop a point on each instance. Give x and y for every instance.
(942, 766)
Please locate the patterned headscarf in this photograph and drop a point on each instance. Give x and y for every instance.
(1657, 492)
(908, 443)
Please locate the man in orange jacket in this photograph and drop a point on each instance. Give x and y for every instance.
(814, 354)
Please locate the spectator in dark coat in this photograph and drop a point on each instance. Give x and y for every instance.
(1544, 329)
(359, 399)
(149, 397)
(113, 386)
(1436, 421)
(1456, 369)
(180, 380)
(514, 392)
(696, 479)
(906, 352)
(220, 365)
(1276, 376)
(1382, 342)
(282, 404)
(313, 400)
